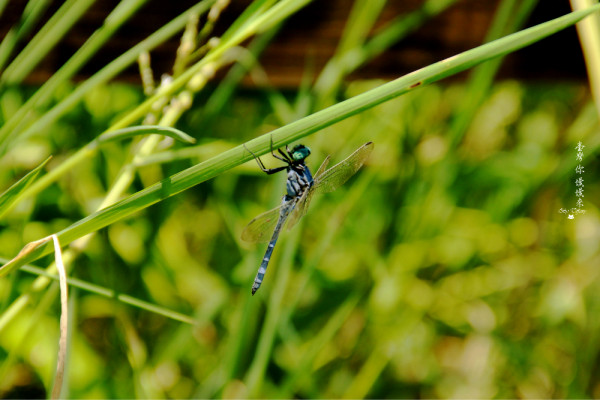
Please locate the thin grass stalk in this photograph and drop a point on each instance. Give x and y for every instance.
(509, 17)
(13, 194)
(369, 372)
(273, 16)
(589, 36)
(363, 17)
(40, 283)
(333, 72)
(227, 86)
(400, 28)
(253, 11)
(112, 294)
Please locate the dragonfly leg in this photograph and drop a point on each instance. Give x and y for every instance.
(286, 156)
(270, 171)
(256, 158)
(286, 159)
(262, 167)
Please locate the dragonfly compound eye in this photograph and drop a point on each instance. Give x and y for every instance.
(300, 152)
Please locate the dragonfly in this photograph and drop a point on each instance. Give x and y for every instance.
(301, 186)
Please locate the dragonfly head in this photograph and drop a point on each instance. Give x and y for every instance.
(300, 152)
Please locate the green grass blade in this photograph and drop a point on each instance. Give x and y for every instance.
(112, 69)
(91, 149)
(401, 27)
(3, 4)
(297, 130)
(255, 9)
(363, 17)
(32, 13)
(325, 335)
(346, 62)
(199, 152)
(227, 86)
(12, 194)
(126, 133)
(45, 40)
(113, 21)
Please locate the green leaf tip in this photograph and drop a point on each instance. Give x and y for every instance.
(12, 194)
(132, 131)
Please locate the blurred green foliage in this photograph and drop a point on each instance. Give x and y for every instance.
(435, 272)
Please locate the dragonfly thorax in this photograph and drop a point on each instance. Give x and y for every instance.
(299, 179)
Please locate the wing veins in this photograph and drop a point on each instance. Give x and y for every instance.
(336, 176)
(262, 226)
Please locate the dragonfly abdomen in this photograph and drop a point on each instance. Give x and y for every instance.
(287, 206)
(263, 266)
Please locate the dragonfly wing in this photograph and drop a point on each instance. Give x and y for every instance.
(300, 208)
(324, 165)
(337, 175)
(261, 228)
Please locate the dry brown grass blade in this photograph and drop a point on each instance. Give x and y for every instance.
(64, 318)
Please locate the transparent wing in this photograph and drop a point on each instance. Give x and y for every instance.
(324, 165)
(261, 228)
(336, 176)
(301, 207)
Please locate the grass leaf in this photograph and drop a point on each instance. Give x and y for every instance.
(110, 293)
(126, 133)
(10, 196)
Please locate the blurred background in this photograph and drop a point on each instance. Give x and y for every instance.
(443, 269)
